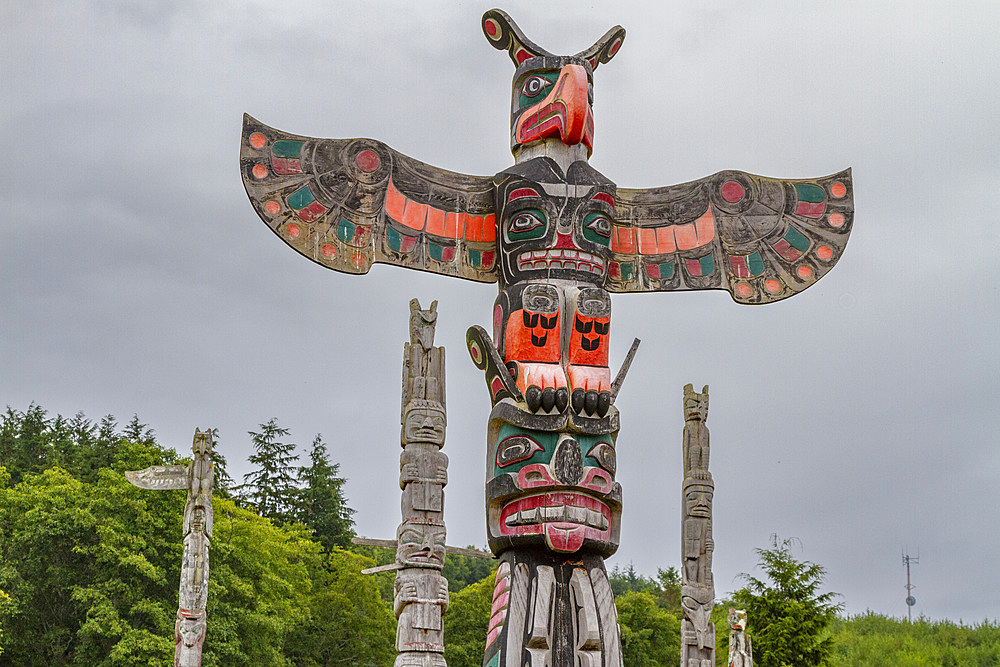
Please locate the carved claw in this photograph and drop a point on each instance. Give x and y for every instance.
(591, 402)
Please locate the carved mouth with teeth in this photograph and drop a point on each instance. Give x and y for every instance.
(561, 258)
(564, 518)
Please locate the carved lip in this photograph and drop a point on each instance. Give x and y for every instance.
(561, 258)
(568, 510)
(426, 434)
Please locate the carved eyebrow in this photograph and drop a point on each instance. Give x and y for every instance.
(605, 197)
(522, 192)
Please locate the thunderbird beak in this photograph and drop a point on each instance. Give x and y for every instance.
(564, 113)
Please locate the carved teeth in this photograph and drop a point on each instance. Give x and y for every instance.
(557, 258)
(560, 513)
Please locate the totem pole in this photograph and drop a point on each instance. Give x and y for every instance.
(558, 237)
(197, 477)
(421, 592)
(740, 650)
(697, 585)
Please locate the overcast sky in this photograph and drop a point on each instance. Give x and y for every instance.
(859, 416)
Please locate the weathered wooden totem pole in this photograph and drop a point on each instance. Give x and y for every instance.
(197, 477)
(421, 592)
(740, 648)
(697, 584)
(558, 237)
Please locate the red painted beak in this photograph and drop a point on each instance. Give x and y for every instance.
(565, 113)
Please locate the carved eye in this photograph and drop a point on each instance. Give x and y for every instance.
(534, 85)
(601, 225)
(525, 221)
(605, 455)
(515, 448)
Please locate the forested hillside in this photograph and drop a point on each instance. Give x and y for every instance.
(89, 569)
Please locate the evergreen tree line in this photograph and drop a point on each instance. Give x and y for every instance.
(89, 569)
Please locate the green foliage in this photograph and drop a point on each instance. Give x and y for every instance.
(83, 565)
(4, 600)
(349, 623)
(466, 622)
(873, 640)
(320, 504)
(788, 617)
(665, 588)
(91, 564)
(651, 636)
(461, 571)
(271, 486)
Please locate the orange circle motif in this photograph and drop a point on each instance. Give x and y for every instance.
(838, 189)
(744, 290)
(824, 252)
(257, 140)
(328, 250)
(272, 206)
(805, 272)
(837, 219)
(259, 171)
(293, 231)
(772, 285)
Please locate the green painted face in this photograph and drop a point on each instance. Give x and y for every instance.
(535, 87)
(518, 447)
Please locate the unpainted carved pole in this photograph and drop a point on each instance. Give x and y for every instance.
(197, 478)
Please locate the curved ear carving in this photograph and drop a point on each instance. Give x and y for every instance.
(605, 48)
(503, 34)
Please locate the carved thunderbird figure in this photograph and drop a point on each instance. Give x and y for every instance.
(558, 237)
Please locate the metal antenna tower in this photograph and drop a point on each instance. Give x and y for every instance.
(910, 600)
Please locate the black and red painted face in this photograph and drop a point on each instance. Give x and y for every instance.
(554, 226)
(552, 98)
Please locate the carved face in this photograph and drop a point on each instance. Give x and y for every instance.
(552, 97)
(552, 488)
(424, 424)
(698, 500)
(420, 545)
(553, 225)
(198, 519)
(738, 619)
(202, 443)
(695, 404)
(190, 629)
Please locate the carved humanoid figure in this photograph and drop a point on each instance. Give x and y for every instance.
(740, 649)
(420, 600)
(697, 584)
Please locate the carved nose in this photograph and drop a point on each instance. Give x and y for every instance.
(568, 462)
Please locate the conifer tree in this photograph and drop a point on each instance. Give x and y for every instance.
(789, 616)
(271, 487)
(322, 506)
(223, 483)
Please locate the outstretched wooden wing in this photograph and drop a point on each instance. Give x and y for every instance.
(349, 203)
(761, 239)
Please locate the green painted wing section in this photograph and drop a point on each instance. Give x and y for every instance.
(349, 203)
(761, 239)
